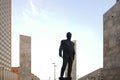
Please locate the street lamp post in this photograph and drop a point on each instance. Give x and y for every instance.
(54, 71)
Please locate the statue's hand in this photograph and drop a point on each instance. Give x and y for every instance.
(60, 54)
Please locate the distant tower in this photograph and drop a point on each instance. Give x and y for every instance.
(5, 34)
(25, 57)
(74, 71)
(112, 37)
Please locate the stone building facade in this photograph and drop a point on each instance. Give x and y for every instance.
(25, 57)
(111, 58)
(112, 37)
(111, 62)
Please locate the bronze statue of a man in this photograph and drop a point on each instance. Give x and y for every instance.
(67, 47)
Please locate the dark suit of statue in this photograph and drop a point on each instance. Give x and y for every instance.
(67, 46)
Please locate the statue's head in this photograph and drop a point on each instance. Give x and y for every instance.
(69, 35)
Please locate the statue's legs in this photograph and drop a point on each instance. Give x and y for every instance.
(63, 67)
(70, 61)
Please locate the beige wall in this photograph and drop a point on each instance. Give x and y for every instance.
(74, 71)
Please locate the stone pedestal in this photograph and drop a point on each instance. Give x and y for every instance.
(65, 78)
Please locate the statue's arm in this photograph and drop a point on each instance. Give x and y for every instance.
(60, 49)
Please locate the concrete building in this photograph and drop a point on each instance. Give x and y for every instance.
(5, 41)
(24, 71)
(25, 57)
(111, 62)
(5, 34)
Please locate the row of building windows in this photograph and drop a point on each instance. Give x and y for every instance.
(5, 12)
(3, 50)
(6, 27)
(5, 2)
(6, 55)
(6, 65)
(5, 41)
(6, 49)
(4, 9)
(5, 21)
(5, 58)
(8, 31)
(6, 68)
(5, 17)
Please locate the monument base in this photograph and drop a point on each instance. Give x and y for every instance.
(66, 78)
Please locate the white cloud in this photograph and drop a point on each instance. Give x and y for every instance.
(38, 11)
(34, 9)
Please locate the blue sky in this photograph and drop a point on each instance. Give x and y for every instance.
(48, 21)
